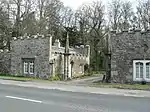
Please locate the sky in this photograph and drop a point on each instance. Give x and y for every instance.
(73, 3)
(76, 3)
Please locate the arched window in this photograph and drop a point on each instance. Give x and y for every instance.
(139, 70)
(148, 70)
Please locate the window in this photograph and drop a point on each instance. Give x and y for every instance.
(28, 66)
(141, 70)
(148, 70)
(31, 68)
(25, 67)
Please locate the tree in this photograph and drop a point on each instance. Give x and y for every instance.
(52, 15)
(82, 21)
(67, 17)
(17, 13)
(41, 6)
(5, 28)
(143, 12)
(97, 32)
(20, 10)
(114, 11)
(29, 24)
(92, 23)
(126, 15)
(67, 20)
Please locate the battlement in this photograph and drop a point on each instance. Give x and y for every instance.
(81, 51)
(4, 51)
(38, 36)
(130, 31)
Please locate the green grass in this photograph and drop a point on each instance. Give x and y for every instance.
(22, 78)
(19, 78)
(55, 78)
(123, 86)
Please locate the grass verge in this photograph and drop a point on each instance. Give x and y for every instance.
(122, 86)
(15, 78)
(22, 78)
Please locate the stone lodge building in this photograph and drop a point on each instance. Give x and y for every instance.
(130, 56)
(36, 56)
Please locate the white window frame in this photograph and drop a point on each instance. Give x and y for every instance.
(25, 67)
(28, 67)
(149, 72)
(144, 70)
(31, 64)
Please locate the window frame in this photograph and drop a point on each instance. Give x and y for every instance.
(31, 64)
(28, 64)
(25, 67)
(144, 70)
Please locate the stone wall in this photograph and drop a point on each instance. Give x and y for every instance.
(48, 59)
(78, 64)
(35, 47)
(4, 62)
(126, 47)
(80, 56)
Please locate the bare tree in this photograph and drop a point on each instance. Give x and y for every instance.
(67, 17)
(52, 15)
(20, 10)
(114, 11)
(143, 11)
(92, 23)
(126, 15)
(41, 5)
(82, 20)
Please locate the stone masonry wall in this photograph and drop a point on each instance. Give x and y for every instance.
(37, 48)
(48, 59)
(80, 57)
(126, 47)
(78, 66)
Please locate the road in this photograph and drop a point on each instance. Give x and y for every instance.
(85, 81)
(21, 99)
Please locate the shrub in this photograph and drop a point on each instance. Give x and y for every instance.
(55, 78)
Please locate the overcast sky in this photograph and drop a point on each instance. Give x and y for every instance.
(76, 3)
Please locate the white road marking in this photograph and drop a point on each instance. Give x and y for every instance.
(24, 99)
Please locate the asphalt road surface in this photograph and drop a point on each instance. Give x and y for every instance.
(21, 99)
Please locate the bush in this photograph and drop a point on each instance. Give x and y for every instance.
(55, 78)
(143, 82)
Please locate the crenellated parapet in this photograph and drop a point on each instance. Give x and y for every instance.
(130, 31)
(26, 37)
(4, 51)
(77, 51)
(71, 54)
